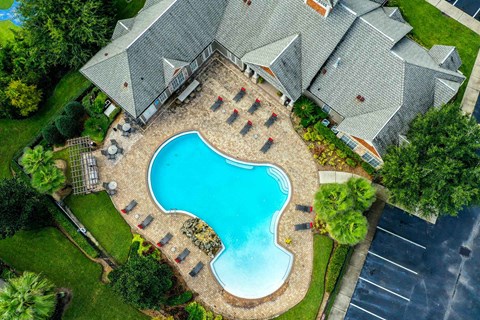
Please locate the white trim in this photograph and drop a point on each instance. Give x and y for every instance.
(121, 23)
(451, 50)
(394, 263)
(166, 60)
(385, 289)
(363, 19)
(283, 50)
(348, 9)
(365, 310)
(396, 54)
(400, 237)
(441, 80)
(276, 215)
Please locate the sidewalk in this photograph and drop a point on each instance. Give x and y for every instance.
(456, 14)
(472, 93)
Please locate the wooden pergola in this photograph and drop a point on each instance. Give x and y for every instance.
(83, 166)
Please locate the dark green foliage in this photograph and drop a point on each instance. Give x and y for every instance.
(335, 266)
(20, 207)
(180, 299)
(68, 126)
(142, 282)
(75, 110)
(96, 127)
(308, 112)
(51, 134)
(438, 171)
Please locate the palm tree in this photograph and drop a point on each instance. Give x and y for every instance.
(349, 228)
(331, 200)
(34, 159)
(28, 297)
(48, 179)
(362, 192)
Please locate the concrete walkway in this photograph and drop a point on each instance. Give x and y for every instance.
(472, 93)
(457, 14)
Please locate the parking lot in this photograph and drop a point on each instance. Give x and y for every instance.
(416, 270)
(472, 7)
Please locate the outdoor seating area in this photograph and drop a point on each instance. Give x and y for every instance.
(110, 187)
(129, 207)
(232, 117)
(84, 168)
(189, 92)
(113, 150)
(246, 128)
(273, 118)
(303, 208)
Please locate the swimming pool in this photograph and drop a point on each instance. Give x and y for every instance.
(241, 201)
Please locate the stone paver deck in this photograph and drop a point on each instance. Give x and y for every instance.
(288, 152)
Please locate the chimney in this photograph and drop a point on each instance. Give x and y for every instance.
(323, 7)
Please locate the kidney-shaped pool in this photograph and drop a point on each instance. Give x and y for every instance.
(241, 201)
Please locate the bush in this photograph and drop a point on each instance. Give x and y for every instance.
(75, 110)
(96, 127)
(335, 266)
(89, 100)
(180, 299)
(196, 311)
(68, 127)
(99, 103)
(36, 158)
(48, 179)
(308, 112)
(51, 134)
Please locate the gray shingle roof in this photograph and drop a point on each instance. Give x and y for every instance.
(394, 13)
(170, 67)
(360, 7)
(446, 57)
(392, 29)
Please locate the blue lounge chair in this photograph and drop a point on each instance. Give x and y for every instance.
(239, 96)
(217, 104)
(271, 120)
(196, 270)
(145, 222)
(165, 240)
(182, 256)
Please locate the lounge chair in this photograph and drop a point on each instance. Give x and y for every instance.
(304, 226)
(125, 134)
(233, 117)
(105, 185)
(119, 150)
(217, 104)
(146, 222)
(165, 240)
(133, 130)
(129, 207)
(254, 107)
(111, 157)
(267, 145)
(271, 120)
(196, 270)
(303, 208)
(240, 95)
(182, 256)
(246, 128)
(114, 142)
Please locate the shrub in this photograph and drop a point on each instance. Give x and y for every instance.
(68, 126)
(51, 134)
(23, 97)
(99, 103)
(48, 179)
(196, 311)
(96, 127)
(335, 266)
(34, 159)
(75, 110)
(308, 112)
(351, 163)
(180, 299)
(350, 228)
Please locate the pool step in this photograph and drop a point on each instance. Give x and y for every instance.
(281, 179)
(238, 164)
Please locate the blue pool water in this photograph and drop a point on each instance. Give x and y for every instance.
(241, 202)
(11, 14)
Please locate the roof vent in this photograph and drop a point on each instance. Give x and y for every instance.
(465, 252)
(105, 54)
(337, 63)
(141, 78)
(125, 84)
(360, 98)
(249, 2)
(324, 71)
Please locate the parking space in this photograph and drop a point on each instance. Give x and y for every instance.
(476, 111)
(414, 270)
(471, 7)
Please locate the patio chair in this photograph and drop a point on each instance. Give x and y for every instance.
(112, 192)
(133, 130)
(196, 270)
(104, 152)
(129, 207)
(111, 157)
(105, 185)
(125, 134)
(254, 107)
(303, 226)
(120, 150)
(233, 117)
(267, 145)
(114, 142)
(217, 104)
(246, 128)
(303, 208)
(240, 95)
(119, 127)
(165, 240)
(182, 255)
(145, 222)
(271, 120)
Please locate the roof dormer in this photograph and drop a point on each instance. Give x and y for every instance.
(322, 6)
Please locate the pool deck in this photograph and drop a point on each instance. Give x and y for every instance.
(289, 152)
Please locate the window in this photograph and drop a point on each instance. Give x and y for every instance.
(177, 82)
(207, 53)
(194, 65)
(349, 142)
(371, 160)
(163, 97)
(326, 108)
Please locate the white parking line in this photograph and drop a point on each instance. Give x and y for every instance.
(398, 265)
(385, 289)
(364, 310)
(400, 237)
(476, 13)
(454, 2)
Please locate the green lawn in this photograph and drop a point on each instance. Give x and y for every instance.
(100, 217)
(5, 4)
(431, 27)
(127, 9)
(307, 309)
(15, 134)
(49, 252)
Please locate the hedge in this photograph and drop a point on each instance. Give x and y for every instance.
(68, 126)
(335, 265)
(180, 299)
(51, 134)
(75, 110)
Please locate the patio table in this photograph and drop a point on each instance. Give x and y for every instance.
(112, 185)
(191, 87)
(126, 127)
(112, 150)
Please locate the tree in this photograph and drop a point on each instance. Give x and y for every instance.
(142, 282)
(51, 134)
(23, 97)
(48, 179)
(34, 159)
(20, 207)
(349, 228)
(362, 193)
(68, 127)
(27, 297)
(332, 199)
(438, 171)
(70, 31)
(75, 110)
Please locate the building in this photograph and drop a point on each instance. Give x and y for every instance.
(351, 56)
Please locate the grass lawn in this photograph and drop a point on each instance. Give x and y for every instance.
(431, 27)
(307, 309)
(100, 217)
(6, 33)
(5, 4)
(49, 252)
(127, 9)
(15, 134)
